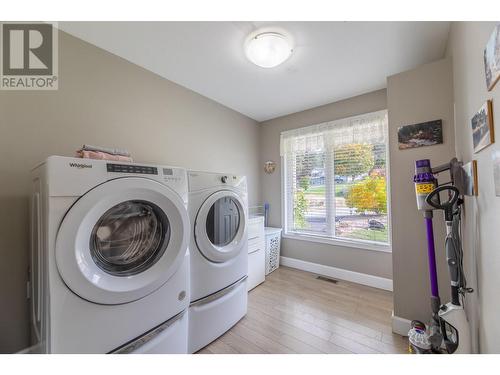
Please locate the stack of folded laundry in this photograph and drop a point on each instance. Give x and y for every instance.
(103, 153)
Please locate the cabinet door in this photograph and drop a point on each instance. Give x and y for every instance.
(256, 268)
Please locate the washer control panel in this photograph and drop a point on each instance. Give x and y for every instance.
(129, 168)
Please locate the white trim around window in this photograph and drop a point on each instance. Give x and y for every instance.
(303, 235)
(335, 241)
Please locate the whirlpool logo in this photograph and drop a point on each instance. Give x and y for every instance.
(80, 165)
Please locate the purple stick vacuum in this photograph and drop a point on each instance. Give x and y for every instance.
(449, 323)
(425, 183)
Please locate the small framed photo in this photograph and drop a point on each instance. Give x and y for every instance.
(492, 59)
(419, 135)
(482, 127)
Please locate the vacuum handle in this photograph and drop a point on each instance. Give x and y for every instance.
(434, 201)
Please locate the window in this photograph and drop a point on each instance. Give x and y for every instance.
(336, 180)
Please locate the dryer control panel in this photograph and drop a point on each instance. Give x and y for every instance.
(207, 180)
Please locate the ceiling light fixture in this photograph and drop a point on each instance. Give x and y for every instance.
(268, 49)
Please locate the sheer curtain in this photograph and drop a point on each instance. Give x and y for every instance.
(367, 128)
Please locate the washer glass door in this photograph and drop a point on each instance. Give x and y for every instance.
(129, 238)
(122, 240)
(220, 227)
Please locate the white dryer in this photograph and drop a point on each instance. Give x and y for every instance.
(109, 257)
(218, 209)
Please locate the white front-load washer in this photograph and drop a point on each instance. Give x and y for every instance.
(218, 209)
(109, 267)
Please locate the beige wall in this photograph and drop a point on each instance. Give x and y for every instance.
(422, 94)
(481, 235)
(103, 100)
(364, 261)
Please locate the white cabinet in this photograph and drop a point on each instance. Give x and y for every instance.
(256, 252)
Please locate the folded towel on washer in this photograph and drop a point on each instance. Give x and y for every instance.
(102, 156)
(107, 150)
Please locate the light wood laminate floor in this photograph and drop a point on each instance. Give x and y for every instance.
(293, 312)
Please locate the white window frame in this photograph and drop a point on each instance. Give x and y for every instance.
(287, 205)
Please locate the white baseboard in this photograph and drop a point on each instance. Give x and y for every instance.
(338, 273)
(401, 326)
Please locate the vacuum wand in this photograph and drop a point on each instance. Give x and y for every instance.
(431, 252)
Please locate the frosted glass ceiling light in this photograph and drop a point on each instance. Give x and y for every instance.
(268, 49)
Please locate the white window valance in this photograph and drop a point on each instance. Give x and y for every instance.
(367, 128)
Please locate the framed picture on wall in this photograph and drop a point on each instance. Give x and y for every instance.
(492, 59)
(470, 178)
(418, 135)
(496, 171)
(482, 127)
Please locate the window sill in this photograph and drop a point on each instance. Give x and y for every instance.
(359, 244)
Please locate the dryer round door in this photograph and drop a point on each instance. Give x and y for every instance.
(220, 226)
(122, 240)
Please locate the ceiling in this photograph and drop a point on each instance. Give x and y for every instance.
(331, 60)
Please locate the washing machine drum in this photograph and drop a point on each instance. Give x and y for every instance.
(122, 240)
(220, 226)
